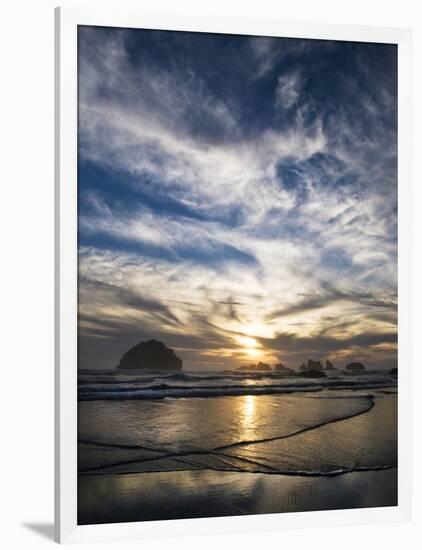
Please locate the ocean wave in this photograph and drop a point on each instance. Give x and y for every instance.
(113, 378)
(118, 385)
(162, 391)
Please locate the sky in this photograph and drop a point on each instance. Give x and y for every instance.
(237, 198)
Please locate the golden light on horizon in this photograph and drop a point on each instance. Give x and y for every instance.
(253, 353)
(250, 346)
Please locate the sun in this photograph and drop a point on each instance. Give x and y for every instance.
(250, 346)
(248, 342)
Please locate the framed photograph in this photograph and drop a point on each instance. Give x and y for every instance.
(232, 275)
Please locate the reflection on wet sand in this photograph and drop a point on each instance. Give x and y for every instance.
(204, 493)
(247, 417)
(367, 441)
(177, 425)
(313, 439)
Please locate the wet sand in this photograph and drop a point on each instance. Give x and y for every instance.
(206, 493)
(279, 454)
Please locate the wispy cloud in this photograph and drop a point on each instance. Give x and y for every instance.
(287, 92)
(224, 195)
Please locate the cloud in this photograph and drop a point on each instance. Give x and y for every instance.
(223, 194)
(287, 93)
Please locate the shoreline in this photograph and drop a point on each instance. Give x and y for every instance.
(286, 454)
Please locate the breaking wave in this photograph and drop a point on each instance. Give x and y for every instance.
(94, 385)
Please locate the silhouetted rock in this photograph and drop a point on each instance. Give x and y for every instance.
(263, 366)
(311, 365)
(393, 371)
(355, 368)
(282, 368)
(150, 355)
(329, 365)
(313, 374)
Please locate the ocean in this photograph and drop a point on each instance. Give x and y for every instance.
(148, 442)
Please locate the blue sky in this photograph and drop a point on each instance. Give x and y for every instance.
(237, 198)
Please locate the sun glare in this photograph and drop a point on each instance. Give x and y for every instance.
(250, 346)
(253, 353)
(248, 342)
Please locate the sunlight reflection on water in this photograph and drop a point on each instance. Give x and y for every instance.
(248, 417)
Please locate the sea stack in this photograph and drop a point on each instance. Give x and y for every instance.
(311, 365)
(355, 368)
(329, 365)
(150, 355)
(313, 373)
(282, 368)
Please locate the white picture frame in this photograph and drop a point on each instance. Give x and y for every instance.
(66, 23)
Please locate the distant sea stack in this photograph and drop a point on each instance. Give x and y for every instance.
(313, 373)
(311, 365)
(329, 365)
(355, 368)
(150, 355)
(282, 368)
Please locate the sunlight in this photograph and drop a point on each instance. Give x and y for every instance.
(262, 330)
(248, 342)
(249, 409)
(251, 347)
(253, 353)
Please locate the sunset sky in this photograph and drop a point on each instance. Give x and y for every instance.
(237, 198)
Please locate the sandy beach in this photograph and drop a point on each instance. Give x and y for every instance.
(193, 494)
(233, 455)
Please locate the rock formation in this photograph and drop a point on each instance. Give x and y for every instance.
(355, 367)
(247, 367)
(150, 355)
(282, 368)
(311, 365)
(329, 365)
(313, 373)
